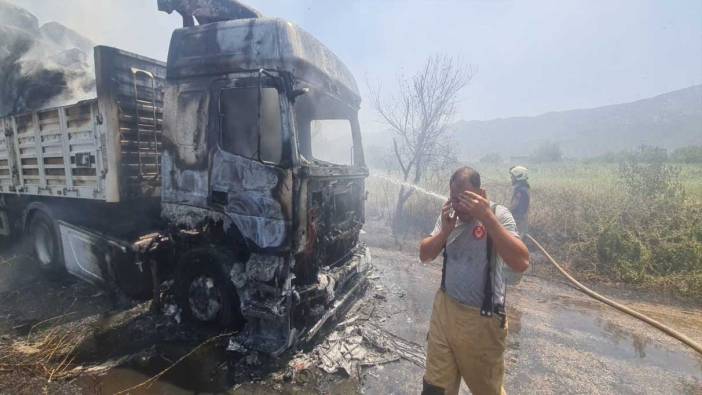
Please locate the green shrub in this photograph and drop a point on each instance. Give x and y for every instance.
(691, 284)
(619, 252)
(680, 256)
(691, 154)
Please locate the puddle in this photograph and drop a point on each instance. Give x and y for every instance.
(207, 370)
(24, 327)
(121, 378)
(211, 374)
(586, 324)
(612, 339)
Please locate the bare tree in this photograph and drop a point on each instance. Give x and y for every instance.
(418, 115)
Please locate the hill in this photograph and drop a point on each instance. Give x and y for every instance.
(670, 120)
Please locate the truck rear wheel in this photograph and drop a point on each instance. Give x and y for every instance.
(44, 243)
(204, 291)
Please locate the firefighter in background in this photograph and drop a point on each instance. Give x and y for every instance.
(520, 199)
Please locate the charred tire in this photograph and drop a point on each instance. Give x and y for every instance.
(44, 243)
(204, 291)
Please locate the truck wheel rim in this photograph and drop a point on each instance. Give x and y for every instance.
(43, 245)
(204, 298)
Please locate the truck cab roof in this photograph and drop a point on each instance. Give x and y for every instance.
(251, 44)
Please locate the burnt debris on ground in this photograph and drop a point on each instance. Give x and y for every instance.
(71, 342)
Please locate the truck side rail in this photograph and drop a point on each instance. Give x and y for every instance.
(52, 152)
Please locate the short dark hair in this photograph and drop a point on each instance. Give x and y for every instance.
(466, 173)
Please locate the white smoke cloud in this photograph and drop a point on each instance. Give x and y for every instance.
(42, 66)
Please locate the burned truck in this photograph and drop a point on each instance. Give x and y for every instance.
(220, 172)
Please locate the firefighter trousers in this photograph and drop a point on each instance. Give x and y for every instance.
(463, 344)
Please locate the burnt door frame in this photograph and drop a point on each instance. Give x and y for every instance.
(255, 195)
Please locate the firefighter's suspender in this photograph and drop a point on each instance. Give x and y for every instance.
(443, 273)
(488, 303)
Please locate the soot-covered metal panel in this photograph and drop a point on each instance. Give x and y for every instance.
(243, 192)
(130, 99)
(251, 194)
(251, 44)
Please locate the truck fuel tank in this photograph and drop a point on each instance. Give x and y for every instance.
(103, 260)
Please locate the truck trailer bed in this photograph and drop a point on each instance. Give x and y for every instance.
(105, 148)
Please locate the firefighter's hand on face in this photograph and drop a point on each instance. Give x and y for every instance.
(508, 245)
(448, 218)
(474, 205)
(431, 246)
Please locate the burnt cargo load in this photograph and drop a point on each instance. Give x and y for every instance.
(221, 169)
(106, 148)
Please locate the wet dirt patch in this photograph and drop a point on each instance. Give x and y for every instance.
(571, 343)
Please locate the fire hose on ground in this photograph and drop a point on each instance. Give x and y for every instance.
(665, 329)
(669, 331)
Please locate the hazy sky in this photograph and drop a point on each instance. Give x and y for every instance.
(532, 56)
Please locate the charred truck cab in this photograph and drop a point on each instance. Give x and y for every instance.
(235, 169)
(247, 103)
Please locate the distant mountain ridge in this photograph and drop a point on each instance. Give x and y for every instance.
(669, 120)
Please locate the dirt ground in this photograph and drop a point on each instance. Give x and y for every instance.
(560, 340)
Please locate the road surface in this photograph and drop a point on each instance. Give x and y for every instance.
(560, 341)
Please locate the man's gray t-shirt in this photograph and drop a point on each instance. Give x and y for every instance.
(467, 263)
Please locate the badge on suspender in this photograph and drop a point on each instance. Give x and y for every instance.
(479, 232)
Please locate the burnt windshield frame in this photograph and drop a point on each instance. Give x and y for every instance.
(342, 110)
(253, 80)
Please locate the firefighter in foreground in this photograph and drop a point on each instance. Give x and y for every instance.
(520, 199)
(480, 244)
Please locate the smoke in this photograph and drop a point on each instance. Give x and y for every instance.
(41, 66)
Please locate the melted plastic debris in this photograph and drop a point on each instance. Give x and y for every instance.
(357, 342)
(235, 346)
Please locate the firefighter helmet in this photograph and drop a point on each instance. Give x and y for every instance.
(519, 173)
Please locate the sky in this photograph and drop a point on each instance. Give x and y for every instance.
(531, 56)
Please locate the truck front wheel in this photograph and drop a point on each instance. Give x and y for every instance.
(45, 245)
(204, 291)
